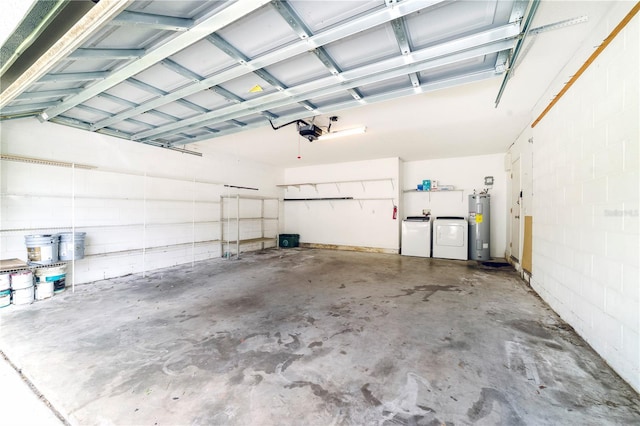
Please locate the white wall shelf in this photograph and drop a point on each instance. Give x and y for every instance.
(461, 191)
(338, 199)
(32, 267)
(252, 218)
(337, 183)
(146, 200)
(85, 197)
(252, 241)
(152, 248)
(54, 229)
(226, 243)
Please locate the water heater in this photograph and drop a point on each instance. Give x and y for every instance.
(479, 229)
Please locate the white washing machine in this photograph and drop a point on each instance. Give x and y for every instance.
(450, 237)
(416, 236)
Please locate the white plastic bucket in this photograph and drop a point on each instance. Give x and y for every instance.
(44, 290)
(54, 274)
(5, 282)
(5, 298)
(42, 249)
(20, 280)
(23, 296)
(71, 246)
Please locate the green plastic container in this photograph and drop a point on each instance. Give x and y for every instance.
(288, 240)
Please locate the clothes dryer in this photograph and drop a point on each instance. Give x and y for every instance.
(450, 237)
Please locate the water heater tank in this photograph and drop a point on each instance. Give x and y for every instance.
(479, 229)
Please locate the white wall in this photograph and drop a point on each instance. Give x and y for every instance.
(136, 197)
(585, 197)
(365, 221)
(467, 174)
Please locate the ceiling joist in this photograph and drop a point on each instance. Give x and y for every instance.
(159, 22)
(346, 29)
(225, 17)
(484, 43)
(170, 73)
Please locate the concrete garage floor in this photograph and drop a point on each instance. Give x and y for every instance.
(313, 337)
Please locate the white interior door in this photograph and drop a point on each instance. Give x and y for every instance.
(516, 199)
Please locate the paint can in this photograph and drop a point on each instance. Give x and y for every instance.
(54, 274)
(20, 280)
(71, 246)
(42, 249)
(44, 290)
(23, 296)
(5, 298)
(5, 282)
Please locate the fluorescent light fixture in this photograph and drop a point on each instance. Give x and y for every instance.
(341, 133)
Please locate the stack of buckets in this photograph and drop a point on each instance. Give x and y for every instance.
(5, 290)
(42, 250)
(22, 289)
(16, 288)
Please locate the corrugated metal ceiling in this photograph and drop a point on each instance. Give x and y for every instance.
(171, 73)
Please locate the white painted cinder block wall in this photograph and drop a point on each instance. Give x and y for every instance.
(369, 223)
(584, 197)
(466, 174)
(173, 211)
(365, 221)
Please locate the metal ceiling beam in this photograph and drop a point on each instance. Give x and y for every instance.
(98, 16)
(501, 61)
(560, 24)
(83, 125)
(74, 76)
(516, 51)
(334, 69)
(242, 59)
(364, 79)
(180, 70)
(147, 20)
(238, 111)
(20, 109)
(127, 103)
(291, 18)
(152, 89)
(73, 122)
(106, 54)
(341, 106)
(187, 73)
(490, 41)
(518, 9)
(221, 19)
(79, 124)
(402, 38)
(92, 109)
(354, 26)
(304, 32)
(130, 120)
(27, 96)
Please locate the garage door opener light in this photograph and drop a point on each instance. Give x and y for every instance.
(342, 133)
